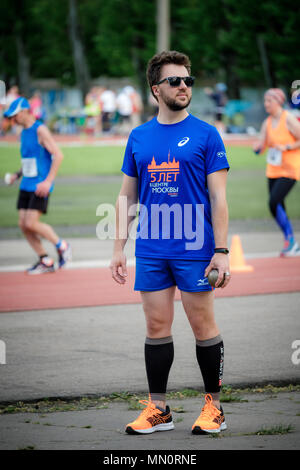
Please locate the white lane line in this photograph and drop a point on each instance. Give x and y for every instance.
(72, 265)
(104, 263)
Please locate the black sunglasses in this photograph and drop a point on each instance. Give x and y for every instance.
(175, 81)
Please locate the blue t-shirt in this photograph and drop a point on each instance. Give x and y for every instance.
(171, 162)
(36, 160)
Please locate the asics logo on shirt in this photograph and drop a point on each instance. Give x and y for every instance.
(221, 154)
(183, 141)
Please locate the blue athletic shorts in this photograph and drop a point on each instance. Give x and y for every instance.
(158, 274)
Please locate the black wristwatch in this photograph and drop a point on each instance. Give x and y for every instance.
(221, 250)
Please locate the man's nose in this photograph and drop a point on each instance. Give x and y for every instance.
(182, 84)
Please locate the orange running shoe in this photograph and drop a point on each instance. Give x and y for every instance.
(211, 420)
(150, 420)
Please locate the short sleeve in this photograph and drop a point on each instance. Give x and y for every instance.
(129, 165)
(215, 157)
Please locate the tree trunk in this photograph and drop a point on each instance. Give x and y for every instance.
(163, 25)
(140, 70)
(20, 33)
(80, 63)
(23, 67)
(269, 79)
(232, 80)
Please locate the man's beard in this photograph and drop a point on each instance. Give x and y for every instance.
(174, 105)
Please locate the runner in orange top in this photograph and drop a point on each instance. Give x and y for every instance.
(280, 134)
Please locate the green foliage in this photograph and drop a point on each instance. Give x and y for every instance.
(119, 37)
(221, 37)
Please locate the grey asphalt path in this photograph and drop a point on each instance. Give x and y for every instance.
(251, 424)
(99, 350)
(17, 252)
(95, 351)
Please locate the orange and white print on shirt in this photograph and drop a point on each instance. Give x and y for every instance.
(163, 177)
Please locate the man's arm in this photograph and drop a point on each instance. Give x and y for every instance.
(217, 192)
(127, 197)
(47, 141)
(15, 176)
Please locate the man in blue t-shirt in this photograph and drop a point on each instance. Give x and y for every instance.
(41, 158)
(175, 167)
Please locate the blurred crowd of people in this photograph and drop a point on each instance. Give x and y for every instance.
(108, 111)
(105, 111)
(228, 114)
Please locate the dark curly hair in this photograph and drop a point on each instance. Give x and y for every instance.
(159, 60)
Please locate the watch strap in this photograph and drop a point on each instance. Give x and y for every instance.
(221, 250)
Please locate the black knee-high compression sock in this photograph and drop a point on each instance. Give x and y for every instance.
(159, 355)
(210, 357)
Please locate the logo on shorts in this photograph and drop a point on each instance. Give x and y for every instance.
(183, 141)
(202, 282)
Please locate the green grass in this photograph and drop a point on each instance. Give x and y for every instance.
(69, 204)
(75, 202)
(77, 160)
(108, 160)
(277, 429)
(48, 405)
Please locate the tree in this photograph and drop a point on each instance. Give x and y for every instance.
(124, 39)
(242, 43)
(80, 63)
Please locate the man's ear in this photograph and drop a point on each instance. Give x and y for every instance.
(155, 90)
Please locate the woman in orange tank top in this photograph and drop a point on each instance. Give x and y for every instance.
(280, 134)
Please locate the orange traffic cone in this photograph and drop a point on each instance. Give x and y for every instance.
(237, 260)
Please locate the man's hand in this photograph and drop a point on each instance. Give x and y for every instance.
(282, 148)
(119, 262)
(13, 178)
(219, 261)
(43, 188)
(256, 147)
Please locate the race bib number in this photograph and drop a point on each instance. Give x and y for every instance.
(29, 167)
(274, 157)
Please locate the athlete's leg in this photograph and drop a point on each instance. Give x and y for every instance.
(159, 312)
(159, 350)
(32, 237)
(33, 224)
(278, 190)
(199, 309)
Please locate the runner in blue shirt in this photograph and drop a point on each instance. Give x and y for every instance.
(41, 158)
(175, 166)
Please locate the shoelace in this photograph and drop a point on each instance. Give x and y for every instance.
(209, 410)
(150, 407)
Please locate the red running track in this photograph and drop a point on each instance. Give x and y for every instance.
(95, 287)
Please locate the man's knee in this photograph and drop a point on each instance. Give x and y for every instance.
(29, 224)
(22, 224)
(157, 326)
(202, 320)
